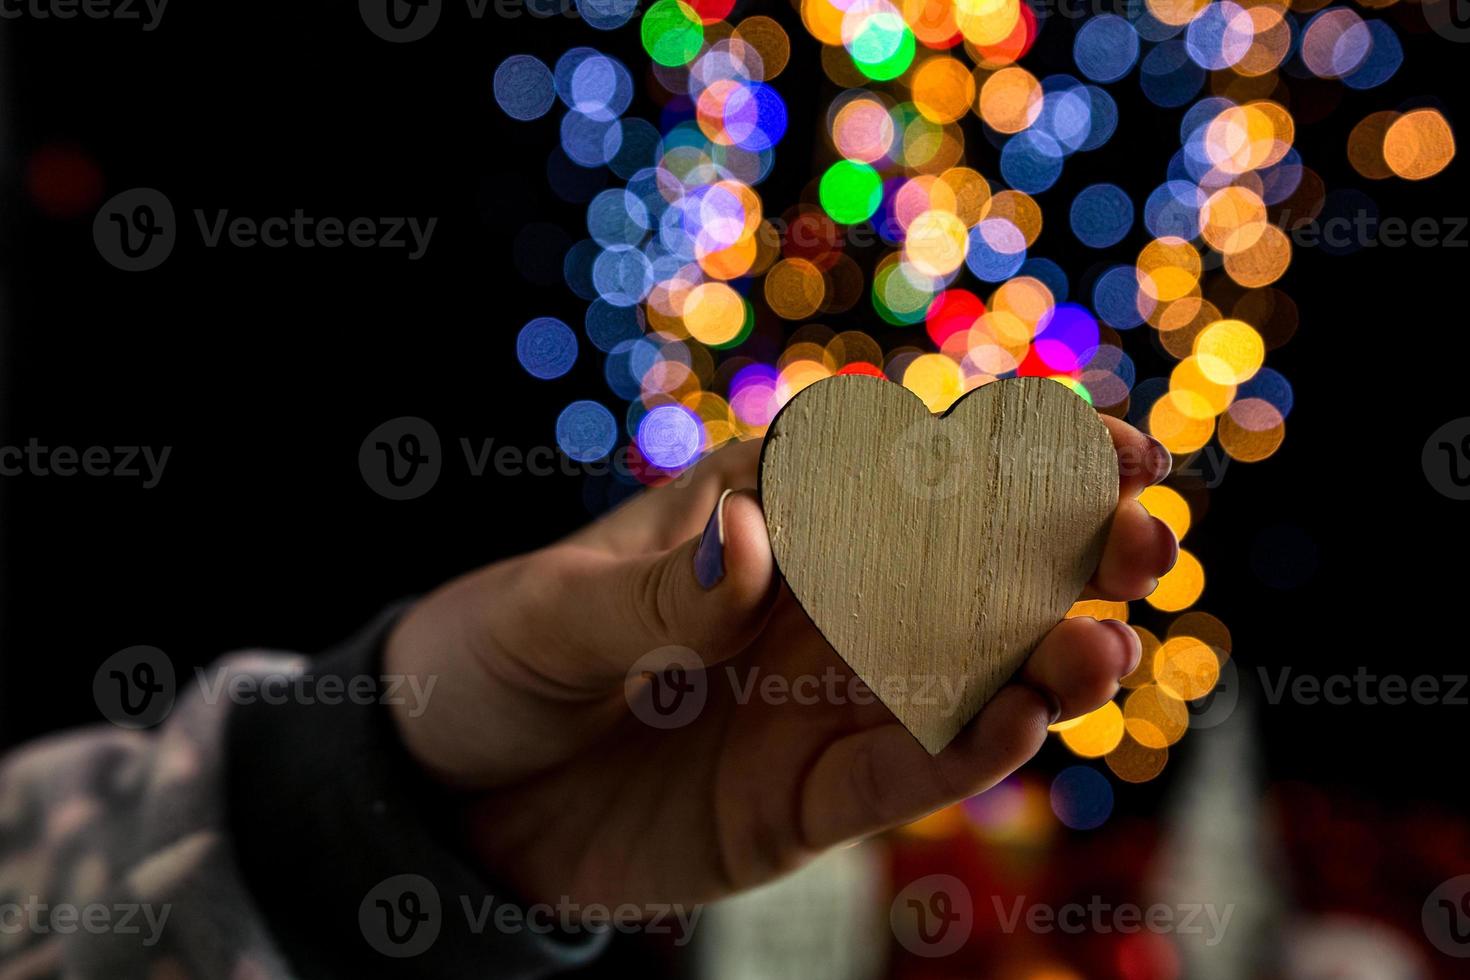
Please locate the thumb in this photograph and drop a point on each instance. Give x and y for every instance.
(712, 594)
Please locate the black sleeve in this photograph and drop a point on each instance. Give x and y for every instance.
(347, 849)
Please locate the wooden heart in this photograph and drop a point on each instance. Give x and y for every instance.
(935, 551)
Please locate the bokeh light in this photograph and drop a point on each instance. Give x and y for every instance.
(586, 431)
(524, 87)
(546, 348)
(914, 249)
(1081, 797)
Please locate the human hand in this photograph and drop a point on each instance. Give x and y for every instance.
(571, 794)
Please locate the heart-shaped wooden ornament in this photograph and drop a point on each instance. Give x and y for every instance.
(935, 551)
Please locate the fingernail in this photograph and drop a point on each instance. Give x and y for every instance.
(1171, 557)
(1158, 460)
(709, 557)
(1135, 646)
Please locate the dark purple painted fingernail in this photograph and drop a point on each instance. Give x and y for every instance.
(709, 557)
(1158, 460)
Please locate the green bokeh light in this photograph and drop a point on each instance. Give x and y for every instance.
(884, 48)
(851, 192)
(672, 33)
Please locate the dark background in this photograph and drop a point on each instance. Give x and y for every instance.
(264, 369)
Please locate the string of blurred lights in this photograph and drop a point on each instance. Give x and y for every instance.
(691, 282)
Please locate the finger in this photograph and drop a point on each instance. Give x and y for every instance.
(711, 594)
(1079, 664)
(1142, 459)
(882, 777)
(1139, 550)
(659, 519)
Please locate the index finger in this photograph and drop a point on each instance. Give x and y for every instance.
(1142, 459)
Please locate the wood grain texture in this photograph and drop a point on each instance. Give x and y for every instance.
(934, 552)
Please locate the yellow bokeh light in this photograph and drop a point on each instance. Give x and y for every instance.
(1229, 352)
(939, 825)
(714, 313)
(795, 289)
(1181, 586)
(1214, 397)
(1154, 718)
(937, 243)
(1263, 262)
(971, 194)
(1176, 13)
(1096, 733)
(1365, 145)
(1182, 421)
(935, 379)
(1020, 210)
(943, 89)
(1144, 672)
(1010, 100)
(986, 21)
(770, 42)
(823, 20)
(1186, 668)
(1206, 628)
(1232, 219)
(1099, 609)
(1250, 445)
(1168, 506)
(1418, 144)
(796, 376)
(1134, 762)
(1168, 269)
